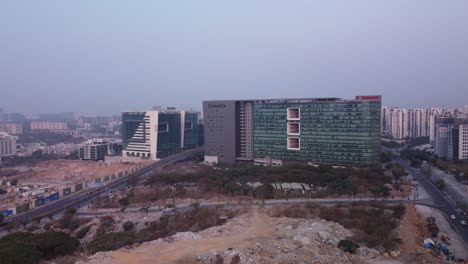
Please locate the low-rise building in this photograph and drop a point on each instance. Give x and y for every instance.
(94, 150)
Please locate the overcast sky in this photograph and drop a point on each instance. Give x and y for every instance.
(109, 56)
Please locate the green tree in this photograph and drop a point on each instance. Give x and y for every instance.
(348, 246)
(440, 183)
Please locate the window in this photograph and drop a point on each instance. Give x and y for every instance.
(294, 113)
(188, 125)
(294, 143)
(163, 127)
(294, 128)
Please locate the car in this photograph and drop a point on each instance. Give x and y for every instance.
(463, 222)
(453, 217)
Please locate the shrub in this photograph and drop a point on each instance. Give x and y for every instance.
(107, 222)
(399, 211)
(128, 226)
(68, 222)
(390, 243)
(83, 231)
(348, 246)
(111, 241)
(24, 247)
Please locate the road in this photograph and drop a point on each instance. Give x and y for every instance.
(441, 201)
(83, 197)
(254, 203)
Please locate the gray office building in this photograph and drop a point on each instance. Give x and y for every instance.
(303, 130)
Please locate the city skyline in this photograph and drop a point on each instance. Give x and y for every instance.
(74, 57)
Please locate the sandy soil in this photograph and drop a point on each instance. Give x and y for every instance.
(56, 172)
(260, 229)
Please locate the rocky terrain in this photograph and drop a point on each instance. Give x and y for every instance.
(252, 238)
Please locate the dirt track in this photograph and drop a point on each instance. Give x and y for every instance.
(260, 228)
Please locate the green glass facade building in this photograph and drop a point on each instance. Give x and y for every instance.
(310, 130)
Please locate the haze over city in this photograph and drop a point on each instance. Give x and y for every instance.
(241, 132)
(105, 57)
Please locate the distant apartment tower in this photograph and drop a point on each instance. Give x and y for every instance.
(7, 145)
(410, 123)
(46, 125)
(158, 134)
(303, 130)
(94, 150)
(463, 142)
(11, 128)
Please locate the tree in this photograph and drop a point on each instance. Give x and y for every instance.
(440, 183)
(132, 180)
(348, 246)
(399, 211)
(14, 182)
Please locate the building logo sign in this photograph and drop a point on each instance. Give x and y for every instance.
(216, 106)
(443, 132)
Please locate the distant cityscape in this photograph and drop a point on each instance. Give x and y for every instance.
(445, 128)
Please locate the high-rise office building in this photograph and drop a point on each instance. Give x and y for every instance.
(443, 136)
(157, 134)
(305, 130)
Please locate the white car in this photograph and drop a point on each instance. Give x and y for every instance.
(463, 223)
(453, 217)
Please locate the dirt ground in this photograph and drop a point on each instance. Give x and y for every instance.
(56, 172)
(412, 232)
(260, 228)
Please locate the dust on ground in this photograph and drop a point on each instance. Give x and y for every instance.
(259, 230)
(57, 172)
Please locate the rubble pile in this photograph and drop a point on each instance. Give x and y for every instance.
(308, 241)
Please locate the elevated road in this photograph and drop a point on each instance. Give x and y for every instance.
(83, 197)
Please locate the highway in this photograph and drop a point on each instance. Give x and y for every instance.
(83, 197)
(441, 201)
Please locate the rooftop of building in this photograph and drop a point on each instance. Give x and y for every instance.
(302, 100)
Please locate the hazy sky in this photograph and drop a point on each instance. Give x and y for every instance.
(109, 56)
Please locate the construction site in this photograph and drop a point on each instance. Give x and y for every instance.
(33, 184)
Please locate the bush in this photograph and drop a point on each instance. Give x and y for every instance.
(68, 222)
(399, 211)
(390, 243)
(83, 231)
(111, 241)
(24, 247)
(128, 226)
(348, 246)
(107, 223)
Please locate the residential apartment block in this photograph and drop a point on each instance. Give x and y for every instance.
(46, 125)
(7, 145)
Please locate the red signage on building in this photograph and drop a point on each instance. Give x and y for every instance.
(368, 97)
